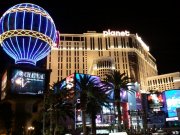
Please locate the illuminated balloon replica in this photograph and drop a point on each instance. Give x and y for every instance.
(27, 33)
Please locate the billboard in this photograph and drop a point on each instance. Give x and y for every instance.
(138, 101)
(27, 82)
(92, 78)
(3, 85)
(72, 82)
(155, 100)
(123, 95)
(172, 102)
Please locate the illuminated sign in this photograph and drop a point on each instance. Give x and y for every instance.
(115, 33)
(27, 82)
(27, 33)
(172, 119)
(70, 82)
(155, 100)
(172, 101)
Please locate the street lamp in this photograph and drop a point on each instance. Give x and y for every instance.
(30, 129)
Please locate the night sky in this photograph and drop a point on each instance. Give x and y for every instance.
(158, 24)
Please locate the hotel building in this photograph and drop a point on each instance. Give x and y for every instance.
(164, 82)
(100, 53)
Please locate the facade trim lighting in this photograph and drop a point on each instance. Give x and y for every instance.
(142, 43)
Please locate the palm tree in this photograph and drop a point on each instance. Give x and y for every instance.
(57, 106)
(21, 118)
(63, 108)
(97, 98)
(118, 82)
(84, 84)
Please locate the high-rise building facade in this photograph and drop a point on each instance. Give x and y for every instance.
(164, 82)
(100, 53)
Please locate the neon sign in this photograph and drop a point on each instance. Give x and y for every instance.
(116, 33)
(27, 33)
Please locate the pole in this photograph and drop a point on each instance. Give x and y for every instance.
(75, 118)
(44, 115)
(43, 123)
(51, 120)
(130, 113)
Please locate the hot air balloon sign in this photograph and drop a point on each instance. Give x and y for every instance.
(27, 33)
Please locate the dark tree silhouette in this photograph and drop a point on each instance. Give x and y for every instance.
(118, 82)
(6, 115)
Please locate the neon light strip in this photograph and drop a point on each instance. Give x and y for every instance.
(8, 48)
(33, 48)
(37, 50)
(27, 33)
(8, 20)
(24, 51)
(43, 52)
(12, 44)
(43, 56)
(51, 31)
(15, 28)
(25, 61)
(39, 29)
(54, 38)
(23, 20)
(2, 24)
(13, 52)
(10, 38)
(7, 51)
(32, 17)
(46, 26)
(27, 9)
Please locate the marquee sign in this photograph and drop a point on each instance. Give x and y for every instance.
(115, 33)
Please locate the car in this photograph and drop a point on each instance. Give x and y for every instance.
(175, 132)
(159, 132)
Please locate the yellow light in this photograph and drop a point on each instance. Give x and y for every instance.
(18, 81)
(30, 128)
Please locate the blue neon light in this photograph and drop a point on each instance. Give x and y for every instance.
(27, 49)
(14, 48)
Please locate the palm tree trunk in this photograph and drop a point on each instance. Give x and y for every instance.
(51, 121)
(84, 122)
(117, 98)
(119, 115)
(93, 123)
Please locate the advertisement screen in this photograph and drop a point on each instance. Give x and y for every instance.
(95, 79)
(172, 101)
(73, 82)
(3, 86)
(138, 101)
(155, 100)
(27, 82)
(123, 95)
